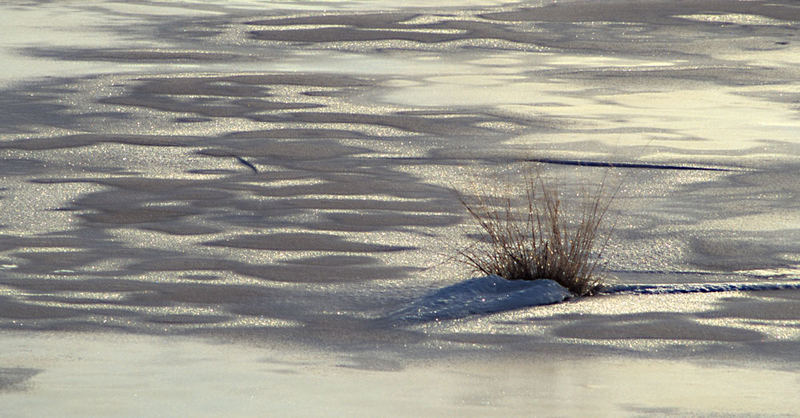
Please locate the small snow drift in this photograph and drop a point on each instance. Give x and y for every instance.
(482, 295)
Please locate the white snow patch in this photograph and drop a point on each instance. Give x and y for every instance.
(482, 295)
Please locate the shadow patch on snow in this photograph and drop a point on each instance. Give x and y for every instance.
(481, 295)
(628, 327)
(16, 378)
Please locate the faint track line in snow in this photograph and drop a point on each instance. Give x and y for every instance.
(247, 163)
(586, 163)
(582, 163)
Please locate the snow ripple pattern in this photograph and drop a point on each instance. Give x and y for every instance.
(482, 295)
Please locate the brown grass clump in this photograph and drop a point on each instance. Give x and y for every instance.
(545, 240)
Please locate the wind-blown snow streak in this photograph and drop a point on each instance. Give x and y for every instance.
(642, 289)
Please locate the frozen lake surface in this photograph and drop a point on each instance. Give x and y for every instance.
(273, 179)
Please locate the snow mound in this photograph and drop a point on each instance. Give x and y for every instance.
(482, 295)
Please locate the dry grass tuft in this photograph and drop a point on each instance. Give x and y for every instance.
(545, 240)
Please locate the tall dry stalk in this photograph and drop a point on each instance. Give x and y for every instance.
(546, 240)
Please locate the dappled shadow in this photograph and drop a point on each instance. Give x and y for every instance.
(290, 203)
(304, 203)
